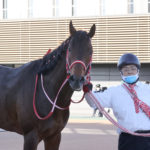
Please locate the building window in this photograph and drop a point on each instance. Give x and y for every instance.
(53, 8)
(130, 6)
(148, 6)
(4, 9)
(73, 9)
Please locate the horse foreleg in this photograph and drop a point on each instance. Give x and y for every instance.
(52, 142)
(31, 140)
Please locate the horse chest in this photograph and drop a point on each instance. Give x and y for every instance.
(55, 124)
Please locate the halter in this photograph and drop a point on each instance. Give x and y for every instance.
(68, 68)
(87, 68)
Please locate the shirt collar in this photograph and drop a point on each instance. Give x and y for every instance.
(136, 84)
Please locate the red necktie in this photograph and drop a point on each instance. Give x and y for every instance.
(135, 98)
(137, 102)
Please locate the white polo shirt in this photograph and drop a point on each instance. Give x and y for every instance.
(122, 104)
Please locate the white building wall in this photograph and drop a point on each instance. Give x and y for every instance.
(140, 6)
(87, 8)
(63, 8)
(18, 9)
(42, 8)
(114, 7)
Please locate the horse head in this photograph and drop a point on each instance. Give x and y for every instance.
(79, 55)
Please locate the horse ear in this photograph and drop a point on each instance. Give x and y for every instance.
(71, 28)
(92, 31)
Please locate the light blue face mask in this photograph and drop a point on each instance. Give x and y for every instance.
(130, 79)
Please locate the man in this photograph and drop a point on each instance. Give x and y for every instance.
(130, 103)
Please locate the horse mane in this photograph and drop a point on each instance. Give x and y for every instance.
(49, 61)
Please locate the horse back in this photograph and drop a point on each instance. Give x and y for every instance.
(10, 78)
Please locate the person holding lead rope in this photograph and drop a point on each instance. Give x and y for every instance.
(130, 102)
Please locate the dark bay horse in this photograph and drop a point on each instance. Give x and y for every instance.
(71, 61)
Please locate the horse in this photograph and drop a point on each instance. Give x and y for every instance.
(24, 91)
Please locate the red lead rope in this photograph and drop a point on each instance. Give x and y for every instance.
(68, 67)
(34, 107)
(96, 102)
(53, 103)
(79, 100)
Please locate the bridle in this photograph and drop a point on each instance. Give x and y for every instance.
(87, 70)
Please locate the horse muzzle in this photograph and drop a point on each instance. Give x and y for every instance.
(76, 83)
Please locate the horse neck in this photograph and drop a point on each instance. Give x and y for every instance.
(55, 79)
(59, 73)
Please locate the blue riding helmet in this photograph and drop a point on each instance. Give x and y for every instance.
(128, 59)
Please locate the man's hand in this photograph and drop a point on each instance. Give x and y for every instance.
(87, 87)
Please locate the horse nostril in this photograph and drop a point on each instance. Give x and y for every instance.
(76, 82)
